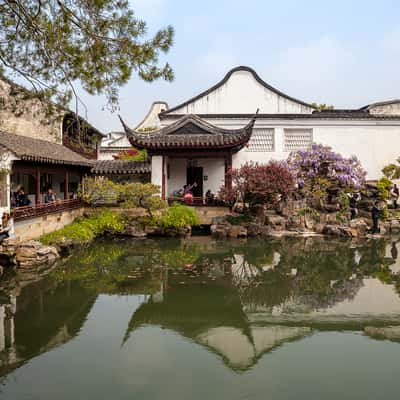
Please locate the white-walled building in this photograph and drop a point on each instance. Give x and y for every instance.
(116, 142)
(197, 139)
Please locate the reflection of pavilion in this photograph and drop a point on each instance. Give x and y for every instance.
(213, 317)
(218, 316)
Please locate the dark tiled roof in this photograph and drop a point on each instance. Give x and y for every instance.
(190, 131)
(121, 167)
(316, 115)
(42, 151)
(224, 80)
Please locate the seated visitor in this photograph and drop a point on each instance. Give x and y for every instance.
(50, 196)
(177, 193)
(5, 227)
(209, 197)
(21, 199)
(73, 195)
(187, 193)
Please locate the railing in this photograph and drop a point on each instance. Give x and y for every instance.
(38, 210)
(197, 201)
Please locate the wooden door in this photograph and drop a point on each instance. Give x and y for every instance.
(195, 174)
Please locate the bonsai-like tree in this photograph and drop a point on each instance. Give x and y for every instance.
(255, 184)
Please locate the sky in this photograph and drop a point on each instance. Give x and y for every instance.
(344, 53)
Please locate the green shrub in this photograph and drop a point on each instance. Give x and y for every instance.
(312, 212)
(239, 219)
(344, 202)
(100, 190)
(145, 195)
(383, 186)
(178, 216)
(384, 215)
(86, 229)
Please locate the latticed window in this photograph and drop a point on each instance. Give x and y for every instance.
(262, 139)
(298, 139)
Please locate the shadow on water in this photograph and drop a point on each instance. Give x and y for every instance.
(238, 299)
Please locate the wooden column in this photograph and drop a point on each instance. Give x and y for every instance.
(37, 194)
(228, 168)
(66, 182)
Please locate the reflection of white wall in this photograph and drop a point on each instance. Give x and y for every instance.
(2, 332)
(237, 348)
(374, 297)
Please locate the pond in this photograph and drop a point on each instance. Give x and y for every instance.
(199, 319)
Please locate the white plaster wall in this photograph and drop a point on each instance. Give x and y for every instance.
(241, 93)
(375, 145)
(177, 174)
(213, 168)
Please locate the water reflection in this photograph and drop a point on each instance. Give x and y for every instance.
(236, 299)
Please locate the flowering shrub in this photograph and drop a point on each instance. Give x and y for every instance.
(131, 155)
(255, 183)
(319, 169)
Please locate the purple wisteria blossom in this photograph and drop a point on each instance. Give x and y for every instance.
(321, 163)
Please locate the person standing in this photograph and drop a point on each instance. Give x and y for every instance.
(395, 193)
(353, 205)
(375, 213)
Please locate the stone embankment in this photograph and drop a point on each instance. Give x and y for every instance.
(296, 220)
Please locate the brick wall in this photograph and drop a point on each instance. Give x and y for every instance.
(27, 117)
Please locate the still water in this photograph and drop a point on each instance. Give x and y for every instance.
(198, 319)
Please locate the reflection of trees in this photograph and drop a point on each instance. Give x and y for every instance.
(314, 272)
(46, 315)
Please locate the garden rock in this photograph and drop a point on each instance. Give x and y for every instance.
(359, 226)
(237, 231)
(135, 230)
(253, 229)
(394, 225)
(277, 223)
(32, 254)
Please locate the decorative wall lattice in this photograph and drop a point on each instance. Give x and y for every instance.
(262, 139)
(297, 139)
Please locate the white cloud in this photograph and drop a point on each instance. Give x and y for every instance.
(149, 9)
(219, 58)
(320, 66)
(391, 41)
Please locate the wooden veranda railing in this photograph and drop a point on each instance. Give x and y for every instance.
(37, 210)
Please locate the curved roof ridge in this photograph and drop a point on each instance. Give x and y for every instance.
(153, 104)
(225, 79)
(380, 103)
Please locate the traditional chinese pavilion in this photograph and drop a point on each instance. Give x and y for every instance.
(191, 150)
